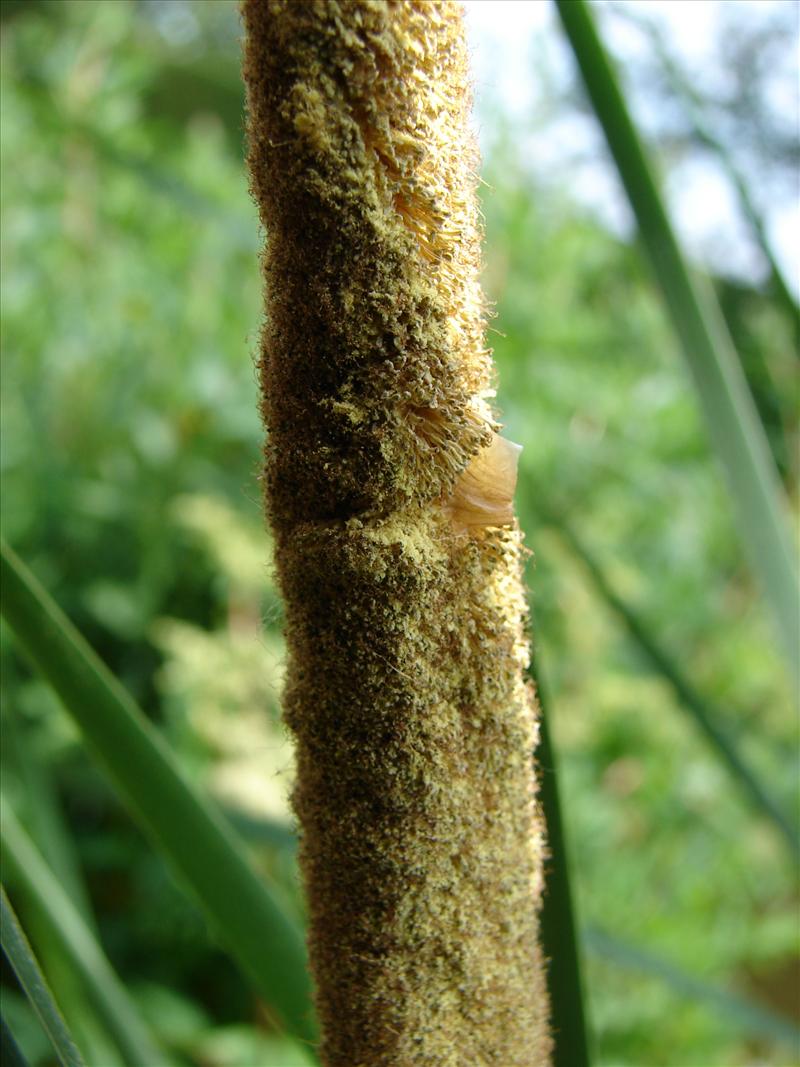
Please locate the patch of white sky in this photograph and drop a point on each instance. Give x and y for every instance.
(519, 53)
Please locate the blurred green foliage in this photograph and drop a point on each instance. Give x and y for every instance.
(130, 456)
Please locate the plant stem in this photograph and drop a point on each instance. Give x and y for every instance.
(560, 941)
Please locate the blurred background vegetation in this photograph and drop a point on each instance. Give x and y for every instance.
(130, 464)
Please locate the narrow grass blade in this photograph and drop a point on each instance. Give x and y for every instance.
(683, 89)
(85, 955)
(745, 1015)
(41, 813)
(11, 1055)
(559, 937)
(20, 955)
(201, 848)
(730, 414)
(29, 782)
(688, 697)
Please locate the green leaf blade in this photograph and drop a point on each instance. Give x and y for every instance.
(201, 848)
(20, 955)
(11, 1055)
(708, 721)
(731, 418)
(80, 947)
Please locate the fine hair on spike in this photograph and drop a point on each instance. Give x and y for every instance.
(389, 494)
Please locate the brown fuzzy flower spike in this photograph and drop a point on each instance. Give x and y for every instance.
(389, 494)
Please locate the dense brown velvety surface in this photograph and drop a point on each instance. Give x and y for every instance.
(421, 844)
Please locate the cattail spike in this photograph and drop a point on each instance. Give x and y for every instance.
(389, 493)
